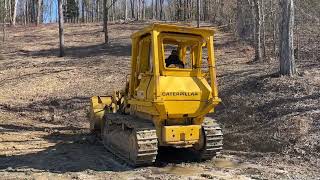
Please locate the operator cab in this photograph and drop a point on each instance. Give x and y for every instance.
(173, 66)
(181, 53)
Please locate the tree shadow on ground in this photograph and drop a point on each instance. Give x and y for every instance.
(76, 152)
(75, 149)
(57, 111)
(5, 128)
(72, 153)
(67, 104)
(34, 75)
(115, 49)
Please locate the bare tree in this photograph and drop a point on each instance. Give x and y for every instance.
(9, 10)
(38, 12)
(185, 10)
(258, 31)
(156, 9)
(263, 21)
(274, 28)
(105, 22)
(82, 11)
(287, 61)
(132, 8)
(143, 9)
(14, 16)
(97, 10)
(161, 9)
(61, 28)
(4, 21)
(125, 10)
(245, 19)
(198, 13)
(257, 26)
(138, 10)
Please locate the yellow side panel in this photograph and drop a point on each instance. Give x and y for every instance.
(181, 133)
(184, 107)
(141, 90)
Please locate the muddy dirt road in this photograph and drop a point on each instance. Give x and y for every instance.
(44, 105)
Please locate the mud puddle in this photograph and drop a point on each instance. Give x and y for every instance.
(181, 170)
(225, 163)
(178, 170)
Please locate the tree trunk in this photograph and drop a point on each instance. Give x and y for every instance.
(161, 9)
(83, 12)
(198, 13)
(257, 29)
(97, 11)
(38, 12)
(143, 9)
(190, 9)
(221, 8)
(156, 8)
(10, 11)
(61, 28)
(113, 10)
(105, 22)
(132, 8)
(3, 32)
(92, 12)
(287, 61)
(179, 10)
(274, 29)
(263, 16)
(25, 13)
(14, 13)
(152, 9)
(5, 12)
(205, 10)
(184, 17)
(4, 22)
(240, 20)
(138, 10)
(125, 10)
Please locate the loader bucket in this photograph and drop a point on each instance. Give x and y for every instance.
(99, 106)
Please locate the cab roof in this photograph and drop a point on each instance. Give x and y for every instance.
(172, 28)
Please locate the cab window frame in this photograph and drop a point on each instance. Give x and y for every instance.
(181, 37)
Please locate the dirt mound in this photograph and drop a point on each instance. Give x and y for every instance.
(269, 113)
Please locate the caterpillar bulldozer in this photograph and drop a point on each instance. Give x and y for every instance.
(163, 105)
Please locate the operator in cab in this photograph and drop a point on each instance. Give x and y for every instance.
(173, 60)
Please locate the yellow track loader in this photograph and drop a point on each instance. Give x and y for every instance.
(164, 103)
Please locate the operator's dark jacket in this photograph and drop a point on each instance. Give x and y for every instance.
(173, 59)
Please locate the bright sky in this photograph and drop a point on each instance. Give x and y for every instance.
(51, 15)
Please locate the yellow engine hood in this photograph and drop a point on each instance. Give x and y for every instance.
(184, 95)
